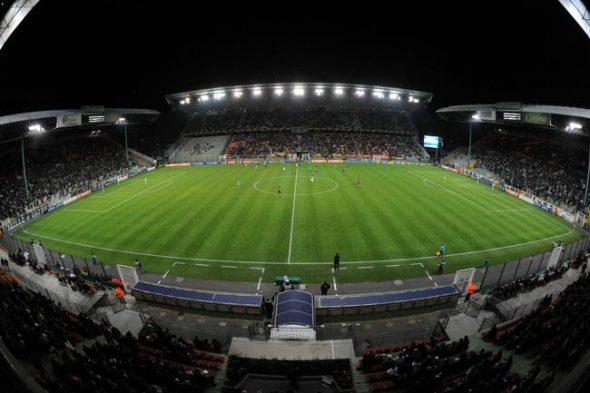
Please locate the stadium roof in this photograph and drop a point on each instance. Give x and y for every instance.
(297, 93)
(579, 12)
(516, 113)
(13, 17)
(109, 113)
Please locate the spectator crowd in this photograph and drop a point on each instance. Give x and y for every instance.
(537, 164)
(319, 119)
(58, 168)
(328, 144)
(556, 333)
(439, 367)
(74, 354)
(526, 284)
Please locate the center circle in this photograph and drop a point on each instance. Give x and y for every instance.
(326, 185)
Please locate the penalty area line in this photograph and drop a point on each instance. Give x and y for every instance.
(259, 278)
(334, 281)
(168, 271)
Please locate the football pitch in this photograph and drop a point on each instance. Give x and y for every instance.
(249, 223)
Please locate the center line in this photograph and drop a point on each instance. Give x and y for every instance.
(293, 215)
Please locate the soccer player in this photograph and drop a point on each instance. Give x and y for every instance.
(238, 182)
(311, 179)
(343, 169)
(284, 169)
(441, 266)
(441, 249)
(145, 180)
(337, 262)
(280, 190)
(445, 179)
(358, 181)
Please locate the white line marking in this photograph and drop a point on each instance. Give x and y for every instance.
(166, 183)
(199, 264)
(168, 271)
(293, 215)
(417, 264)
(430, 277)
(229, 267)
(392, 266)
(332, 344)
(334, 281)
(260, 279)
(293, 263)
(257, 268)
(365, 267)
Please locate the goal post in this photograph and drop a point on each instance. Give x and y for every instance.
(128, 276)
(462, 279)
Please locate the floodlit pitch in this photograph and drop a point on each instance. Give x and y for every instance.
(233, 222)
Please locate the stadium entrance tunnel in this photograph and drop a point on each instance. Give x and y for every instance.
(300, 186)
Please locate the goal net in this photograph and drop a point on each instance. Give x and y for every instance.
(462, 279)
(128, 276)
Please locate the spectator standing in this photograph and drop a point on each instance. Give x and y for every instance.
(336, 262)
(324, 288)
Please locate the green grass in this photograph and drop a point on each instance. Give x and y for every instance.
(398, 215)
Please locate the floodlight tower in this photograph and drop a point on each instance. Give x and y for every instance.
(34, 129)
(122, 120)
(22, 153)
(475, 117)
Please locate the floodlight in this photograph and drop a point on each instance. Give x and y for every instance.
(257, 92)
(413, 99)
(338, 91)
(359, 93)
(319, 91)
(573, 126)
(219, 95)
(237, 93)
(36, 129)
(204, 98)
(298, 91)
(476, 117)
(185, 101)
(394, 97)
(378, 94)
(121, 120)
(279, 91)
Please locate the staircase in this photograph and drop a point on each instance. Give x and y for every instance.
(360, 384)
(218, 381)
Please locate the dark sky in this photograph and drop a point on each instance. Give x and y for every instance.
(131, 52)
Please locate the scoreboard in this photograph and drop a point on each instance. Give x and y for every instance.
(432, 141)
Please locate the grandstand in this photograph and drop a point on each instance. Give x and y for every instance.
(288, 237)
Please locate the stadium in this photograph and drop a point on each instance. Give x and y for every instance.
(304, 235)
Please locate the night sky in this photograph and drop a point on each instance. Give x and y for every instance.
(131, 53)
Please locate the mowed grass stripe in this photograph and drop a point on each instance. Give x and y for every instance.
(393, 214)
